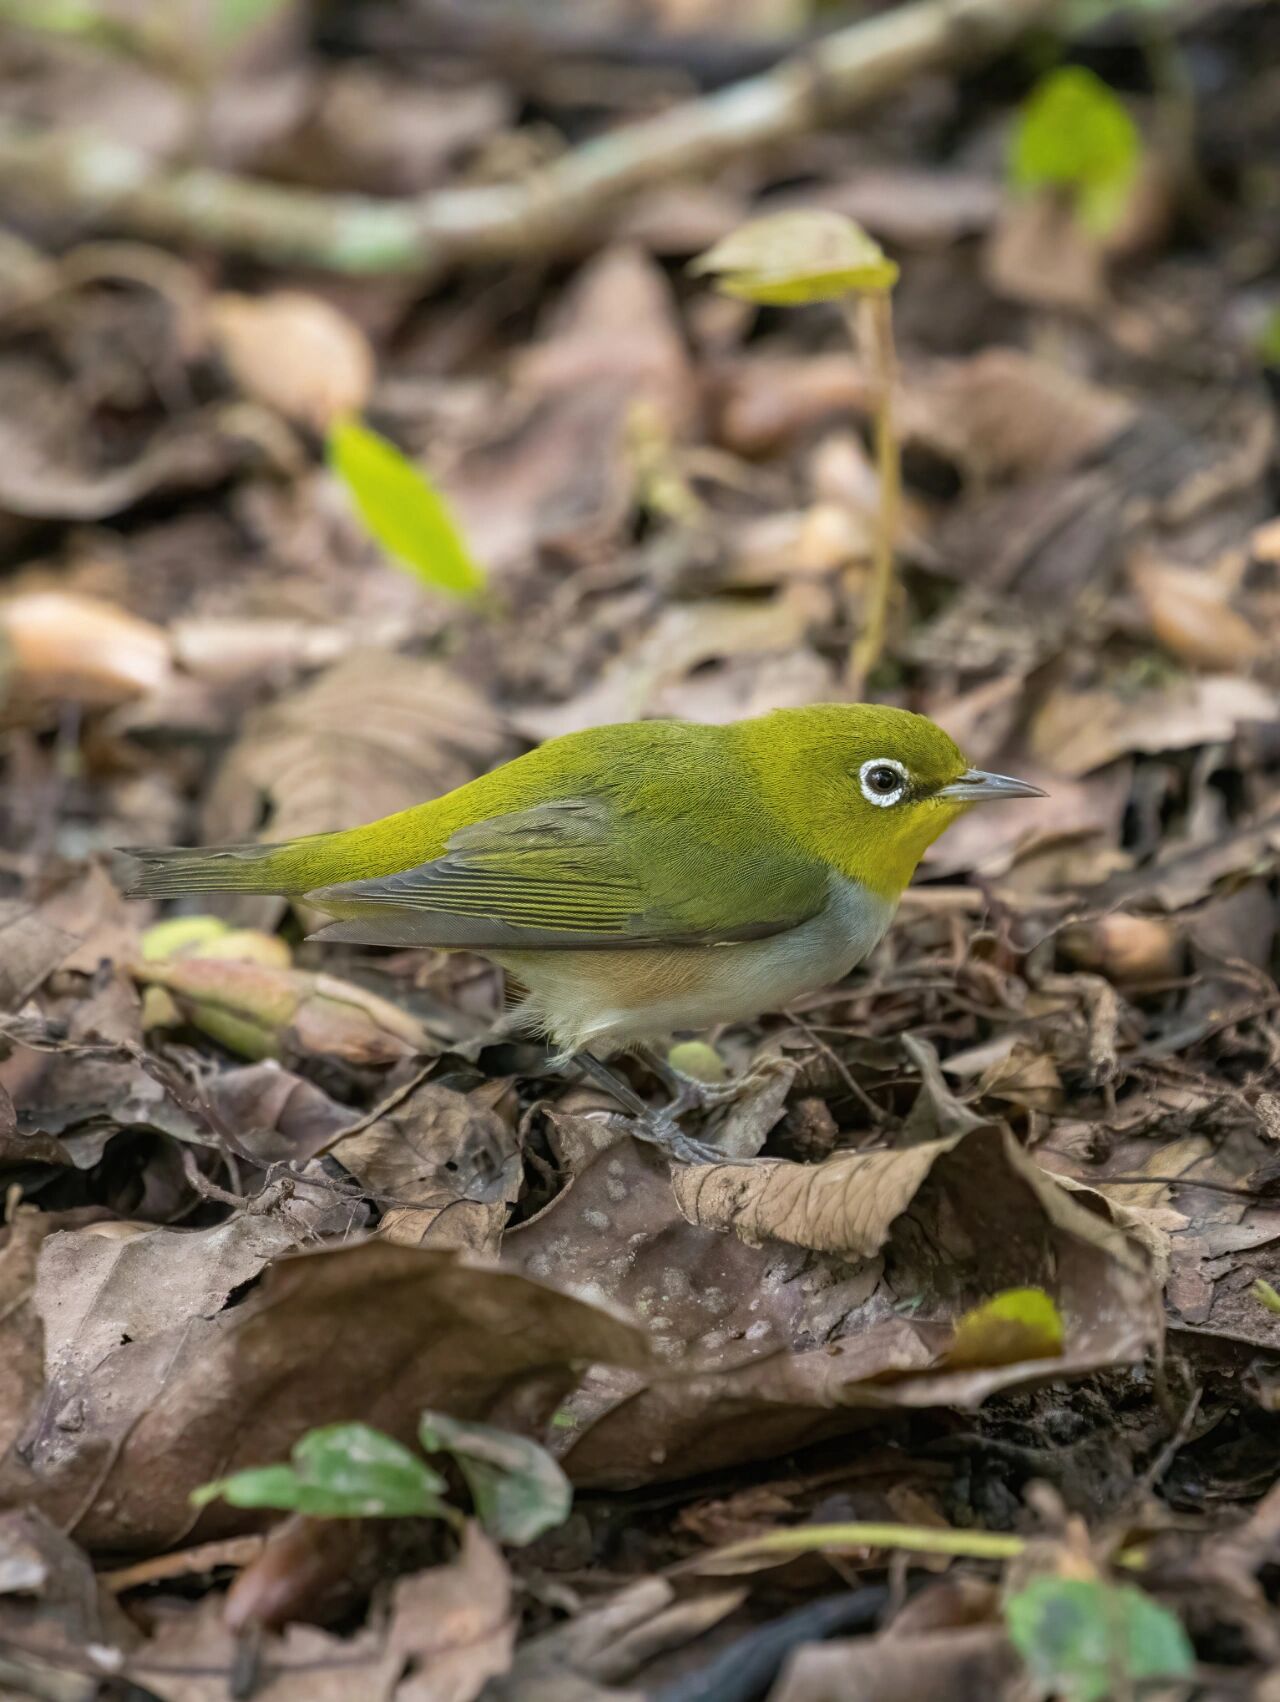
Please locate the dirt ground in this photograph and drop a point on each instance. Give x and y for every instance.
(257, 1185)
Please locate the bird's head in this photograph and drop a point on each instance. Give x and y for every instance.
(867, 788)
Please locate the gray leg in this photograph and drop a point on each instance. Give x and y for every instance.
(660, 1128)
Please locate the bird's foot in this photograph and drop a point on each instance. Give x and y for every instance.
(661, 1128)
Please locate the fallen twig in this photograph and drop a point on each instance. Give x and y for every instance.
(111, 184)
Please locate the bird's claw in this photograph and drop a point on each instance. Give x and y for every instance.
(661, 1129)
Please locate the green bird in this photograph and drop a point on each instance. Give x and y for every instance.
(638, 879)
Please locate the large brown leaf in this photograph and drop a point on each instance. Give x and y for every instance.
(363, 1331)
(840, 1290)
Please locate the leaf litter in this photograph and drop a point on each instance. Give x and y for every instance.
(988, 1252)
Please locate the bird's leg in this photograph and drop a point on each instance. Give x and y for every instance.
(661, 1127)
(688, 1093)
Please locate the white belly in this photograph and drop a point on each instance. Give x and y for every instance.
(607, 1000)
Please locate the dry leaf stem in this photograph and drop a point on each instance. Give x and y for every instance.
(871, 327)
(100, 179)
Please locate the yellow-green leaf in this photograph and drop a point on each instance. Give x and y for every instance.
(1018, 1324)
(181, 935)
(1266, 1295)
(402, 510)
(790, 258)
(1074, 133)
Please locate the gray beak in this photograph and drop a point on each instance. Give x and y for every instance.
(976, 786)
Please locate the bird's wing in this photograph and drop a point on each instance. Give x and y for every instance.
(555, 877)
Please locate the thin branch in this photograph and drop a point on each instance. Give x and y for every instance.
(111, 184)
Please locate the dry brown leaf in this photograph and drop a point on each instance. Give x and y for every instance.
(49, 1595)
(784, 1340)
(1125, 948)
(582, 1659)
(294, 353)
(363, 1331)
(562, 476)
(1075, 732)
(375, 734)
(190, 1656)
(766, 402)
(1190, 614)
(455, 1624)
(118, 1281)
(277, 1116)
(38, 478)
(449, 1161)
(683, 638)
(62, 645)
(1040, 253)
(21, 1327)
(1003, 414)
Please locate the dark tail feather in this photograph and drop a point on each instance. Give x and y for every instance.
(165, 871)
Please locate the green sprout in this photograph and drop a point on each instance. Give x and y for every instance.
(790, 259)
(1075, 134)
(352, 1471)
(1084, 1639)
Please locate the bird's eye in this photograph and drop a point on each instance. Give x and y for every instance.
(883, 781)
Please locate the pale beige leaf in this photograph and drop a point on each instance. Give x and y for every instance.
(64, 644)
(1191, 615)
(294, 353)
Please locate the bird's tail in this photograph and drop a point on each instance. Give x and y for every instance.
(165, 871)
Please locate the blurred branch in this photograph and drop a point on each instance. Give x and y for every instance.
(107, 183)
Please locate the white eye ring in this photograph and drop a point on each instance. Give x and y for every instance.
(882, 800)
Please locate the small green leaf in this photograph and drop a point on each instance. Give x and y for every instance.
(180, 934)
(1081, 1637)
(344, 1471)
(518, 1489)
(1074, 133)
(233, 19)
(807, 255)
(401, 509)
(1266, 1295)
(1269, 339)
(1017, 1324)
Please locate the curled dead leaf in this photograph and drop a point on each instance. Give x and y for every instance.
(61, 644)
(295, 353)
(1075, 732)
(1005, 414)
(263, 1011)
(1125, 948)
(1190, 614)
(374, 734)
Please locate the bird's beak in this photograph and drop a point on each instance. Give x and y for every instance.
(976, 786)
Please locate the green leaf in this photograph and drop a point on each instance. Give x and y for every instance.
(1074, 133)
(344, 1471)
(233, 19)
(1269, 339)
(1082, 1638)
(401, 509)
(180, 934)
(807, 255)
(1266, 1295)
(518, 1489)
(1017, 1324)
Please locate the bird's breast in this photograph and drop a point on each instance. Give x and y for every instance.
(613, 998)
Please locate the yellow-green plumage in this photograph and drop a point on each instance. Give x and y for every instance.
(603, 865)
